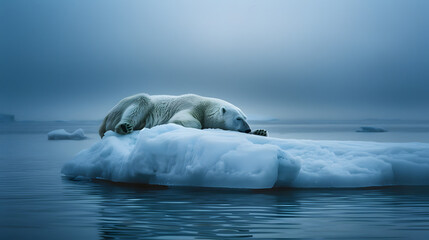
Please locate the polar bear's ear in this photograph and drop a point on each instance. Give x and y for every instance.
(223, 110)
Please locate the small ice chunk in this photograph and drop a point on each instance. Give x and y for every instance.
(61, 134)
(371, 129)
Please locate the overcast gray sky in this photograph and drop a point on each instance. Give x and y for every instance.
(68, 60)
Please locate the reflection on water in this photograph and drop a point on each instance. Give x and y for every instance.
(182, 213)
(37, 203)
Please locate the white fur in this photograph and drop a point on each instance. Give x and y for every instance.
(142, 110)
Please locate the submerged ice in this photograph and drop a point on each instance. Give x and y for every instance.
(177, 156)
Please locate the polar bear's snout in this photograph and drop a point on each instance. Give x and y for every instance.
(245, 127)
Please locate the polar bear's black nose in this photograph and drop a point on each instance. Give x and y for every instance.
(247, 131)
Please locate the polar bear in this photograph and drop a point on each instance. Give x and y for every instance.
(142, 110)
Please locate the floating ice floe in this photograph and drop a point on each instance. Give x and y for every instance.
(61, 134)
(371, 129)
(176, 156)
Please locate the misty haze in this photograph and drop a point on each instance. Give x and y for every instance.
(72, 60)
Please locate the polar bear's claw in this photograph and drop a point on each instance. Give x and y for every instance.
(124, 128)
(260, 132)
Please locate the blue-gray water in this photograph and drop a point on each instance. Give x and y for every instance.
(37, 203)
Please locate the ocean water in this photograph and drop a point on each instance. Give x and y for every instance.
(36, 202)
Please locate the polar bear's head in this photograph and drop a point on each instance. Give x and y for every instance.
(234, 118)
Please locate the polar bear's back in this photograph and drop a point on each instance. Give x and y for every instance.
(186, 101)
(166, 106)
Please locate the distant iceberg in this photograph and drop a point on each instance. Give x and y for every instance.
(61, 134)
(176, 156)
(7, 118)
(371, 129)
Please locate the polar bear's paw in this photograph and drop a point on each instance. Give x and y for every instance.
(260, 132)
(123, 128)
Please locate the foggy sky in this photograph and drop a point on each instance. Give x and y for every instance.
(69, 60)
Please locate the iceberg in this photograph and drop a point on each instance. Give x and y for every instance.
(7, 118)
(61, 134)
(176, 156)
(371, 129)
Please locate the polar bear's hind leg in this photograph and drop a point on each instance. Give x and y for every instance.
(134, 116)
(123, 128)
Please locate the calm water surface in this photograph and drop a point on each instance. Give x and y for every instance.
(36, 202)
